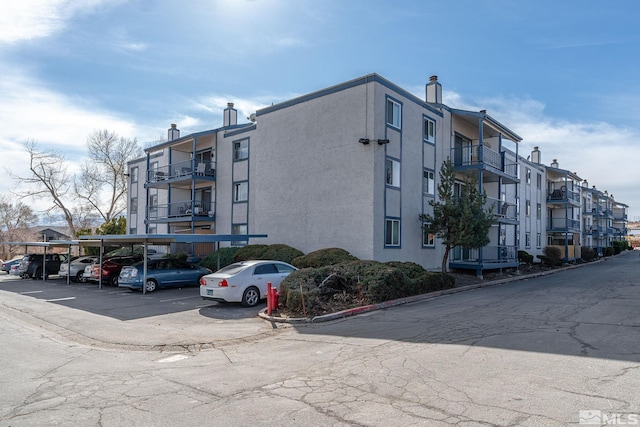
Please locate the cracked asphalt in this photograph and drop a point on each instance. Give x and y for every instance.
(532, 352)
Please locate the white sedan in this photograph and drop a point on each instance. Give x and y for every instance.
(244, 281)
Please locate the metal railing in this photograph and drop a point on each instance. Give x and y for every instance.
(500, 253)
(186, 168)
(180, 209)
(482, 155)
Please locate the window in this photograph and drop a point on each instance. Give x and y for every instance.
(539, 240)
(239, 230)
(394, 113)
(392, 232)
(134, 205)
(428, 182)
(134, 174)
(240, 191)
(539, 181)
(527, 239)
(392, 171)
(538, 211)
(241, 150)
(429, 131)
(428, 238)
(528, 176)
(528, 208)
(133, 230)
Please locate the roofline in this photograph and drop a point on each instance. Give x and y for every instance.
(493, 122)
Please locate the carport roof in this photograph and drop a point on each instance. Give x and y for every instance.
(166, 239)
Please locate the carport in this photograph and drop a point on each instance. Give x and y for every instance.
(161, 240)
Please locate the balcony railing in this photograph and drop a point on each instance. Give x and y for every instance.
(490, 254)
(501, 209)
(482, 155)
(185, 209)
(182, 169)
(563, 195)
(563, 224)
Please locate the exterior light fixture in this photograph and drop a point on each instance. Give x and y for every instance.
(364, 141)
(383, 141)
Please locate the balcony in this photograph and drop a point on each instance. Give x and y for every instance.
(563, 195)
(562, 225)
(485, 258)
(482, 157)
(181, 171)
(181, 211)
(502, 211)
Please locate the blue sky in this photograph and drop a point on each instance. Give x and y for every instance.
(561, 74)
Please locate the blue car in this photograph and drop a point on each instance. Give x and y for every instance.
(161, 273)
(6, 266)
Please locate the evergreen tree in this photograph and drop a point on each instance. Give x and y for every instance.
(458, 220)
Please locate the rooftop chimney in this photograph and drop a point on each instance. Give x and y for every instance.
(554, 164)
(434, 91)
(173, 133)
(536, 155)
(230, 115)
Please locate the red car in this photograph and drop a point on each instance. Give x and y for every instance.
(111, 268)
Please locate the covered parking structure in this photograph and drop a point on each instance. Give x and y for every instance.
(159, 240)
(144, 240)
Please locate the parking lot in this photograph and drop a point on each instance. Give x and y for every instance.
(172, 316)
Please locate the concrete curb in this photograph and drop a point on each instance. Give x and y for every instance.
(407, 300)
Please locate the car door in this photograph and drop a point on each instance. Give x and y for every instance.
(266, 273)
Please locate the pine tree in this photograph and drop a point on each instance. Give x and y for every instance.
(458, 220)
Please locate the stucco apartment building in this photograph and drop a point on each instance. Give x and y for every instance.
(350, 166)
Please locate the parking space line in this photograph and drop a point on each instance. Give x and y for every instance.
(176, 299)
(60, 299)
(29, 292)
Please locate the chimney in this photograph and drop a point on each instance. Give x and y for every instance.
(554, 164)
(173, 133)
(434, 91)
(230, 115)
(535, 155)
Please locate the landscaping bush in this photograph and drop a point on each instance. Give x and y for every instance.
(226, 258)
(619, 246)
(608, 251)
(277, 252)
(552, 256)
(181, 256)
(587, 254)
(524, 256)
(337, 287)
(323, 257)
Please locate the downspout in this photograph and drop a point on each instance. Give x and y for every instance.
(146, 205)
(481, 163)
(193, 191)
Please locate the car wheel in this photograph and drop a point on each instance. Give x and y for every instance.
(113, 280)
(151, 285)
(250, 297)
(79, 278)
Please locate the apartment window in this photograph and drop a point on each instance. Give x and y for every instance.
(539, 181)
(392, 171)
(527, 239)
(394, 113)
(392, 232)
(133, 230)
(134, 174)
(239, 230)
(428, 182)
(539, 240)
(134, 205)
(241, 150)
(528, 208)
(240, 191)
(429, 130)
(528, 176)
(428, 238)
(538, 211)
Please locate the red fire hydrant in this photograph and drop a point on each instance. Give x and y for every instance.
(272, 298)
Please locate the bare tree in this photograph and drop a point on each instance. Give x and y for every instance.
(50, 179)
(102, 182)
(15, 222)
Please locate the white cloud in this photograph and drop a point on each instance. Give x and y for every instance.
(31, 19)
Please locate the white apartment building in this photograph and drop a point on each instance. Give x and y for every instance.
(350, 166)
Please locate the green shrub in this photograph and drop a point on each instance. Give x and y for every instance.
(608, 251)
(323, 257)
(553, 256)
(226, 258)
(619, 246)
(355, 283)
(524, 256)
(278, 252)
(181, 256)
(587, 254)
